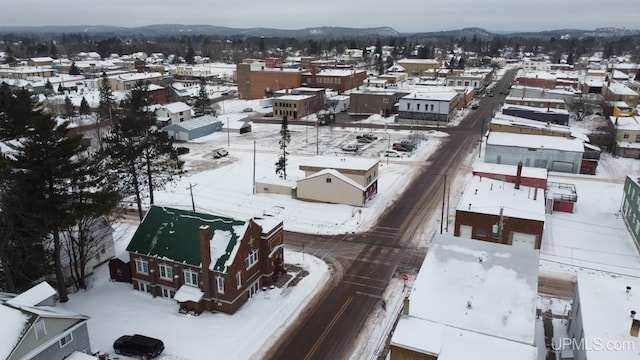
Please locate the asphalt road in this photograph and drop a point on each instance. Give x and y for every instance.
(364, 263)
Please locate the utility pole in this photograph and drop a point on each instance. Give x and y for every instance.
(481, 135)
(444, 193)
(193, 204)
(228, 137)
(317, 138)
(254, 166)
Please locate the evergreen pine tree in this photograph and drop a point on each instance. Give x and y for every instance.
(69, 109)
(52, 171)
(202, 104)
(140, 157)
(73, 69)
(285, 137)
(48, 88)
(84, 107)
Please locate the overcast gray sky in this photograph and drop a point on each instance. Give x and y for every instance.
(402, 15)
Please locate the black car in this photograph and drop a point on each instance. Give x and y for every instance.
(138, 345)
(181, 150)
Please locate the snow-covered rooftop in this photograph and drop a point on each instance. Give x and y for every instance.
(176, 107)
(535, 141)
(488, 196)
(446, 95)
(344, 162)
(625, 122)
(33, 296)
(503, 169)
(478, 286)
(605, 307)
(621, 89)
(450, 343)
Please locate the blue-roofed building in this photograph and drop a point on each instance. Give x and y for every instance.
(193, 128)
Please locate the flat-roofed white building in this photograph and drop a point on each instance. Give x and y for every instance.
(436, 106)
(603, 324)
(470, 300)
(553, 153)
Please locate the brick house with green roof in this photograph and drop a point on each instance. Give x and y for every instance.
(205, 262)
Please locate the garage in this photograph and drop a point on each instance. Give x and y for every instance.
(523, 240)
(465, 231)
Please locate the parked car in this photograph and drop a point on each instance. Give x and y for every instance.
(181, 150)
(220, 153)
(138, 345)
(363, 139)
(247, 109)
(475, 105)
(391, 153)
(369, 136)
(350, 147)
(400, 147)
(407, 144)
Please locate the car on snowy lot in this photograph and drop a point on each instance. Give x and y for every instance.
(350, 147)
(220, 153)
(363, 139)
(368, 136)
(181, 150)
(141, 346)
(400, 147)
(391, 153)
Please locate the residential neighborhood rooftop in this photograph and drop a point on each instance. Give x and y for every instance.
(174, 234)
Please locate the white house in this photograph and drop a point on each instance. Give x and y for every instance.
(173, 113)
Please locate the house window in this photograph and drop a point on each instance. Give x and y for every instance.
(143, 286)
(432, 107)
(418, 107)
(191, 277)
(625, 136)
(637, 138)
(166, 292)
(40, 330)
(252, 259)
(328, 180)
(166, 272)
(65, 340)
(220, 284)
(238, 279)
(142, 266)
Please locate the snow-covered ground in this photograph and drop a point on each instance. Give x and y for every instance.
(593, 238)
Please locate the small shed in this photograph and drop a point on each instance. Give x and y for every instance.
(194, 128)
(119, 270)
(237, 123)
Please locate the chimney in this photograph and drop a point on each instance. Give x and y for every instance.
(519, 175)
(205, 258)
(405, 307)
